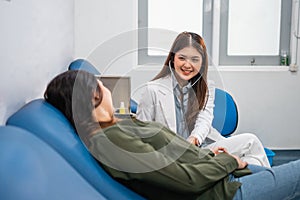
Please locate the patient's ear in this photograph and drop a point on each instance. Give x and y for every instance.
(96, 99)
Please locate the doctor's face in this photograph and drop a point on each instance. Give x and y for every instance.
(187, 64)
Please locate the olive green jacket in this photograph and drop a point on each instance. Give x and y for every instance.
(156, 163)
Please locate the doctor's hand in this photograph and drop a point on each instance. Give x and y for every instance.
(193, 140)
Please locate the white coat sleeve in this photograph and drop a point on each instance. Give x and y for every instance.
(205, 117)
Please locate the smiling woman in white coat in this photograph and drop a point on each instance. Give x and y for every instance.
(181, 98)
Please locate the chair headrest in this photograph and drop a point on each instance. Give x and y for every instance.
(82, 64)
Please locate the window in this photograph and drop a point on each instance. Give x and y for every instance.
(249, 32)
(161, 21)
(254, 32)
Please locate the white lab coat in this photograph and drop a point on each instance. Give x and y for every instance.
(157, 104)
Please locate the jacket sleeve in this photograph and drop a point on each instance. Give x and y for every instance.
(205, 117)
(134, 159)
(190, 177)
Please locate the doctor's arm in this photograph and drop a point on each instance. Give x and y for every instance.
(205, 117)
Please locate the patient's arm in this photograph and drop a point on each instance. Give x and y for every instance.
(173, 163)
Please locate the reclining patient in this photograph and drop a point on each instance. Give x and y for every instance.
(152, 160)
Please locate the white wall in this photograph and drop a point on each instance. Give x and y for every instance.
(268, 104)
(36, 43)
(268, 100)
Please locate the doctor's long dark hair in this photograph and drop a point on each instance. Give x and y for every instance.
(198, 96)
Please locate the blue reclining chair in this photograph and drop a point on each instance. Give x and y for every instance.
(31, 170)
(50, 125)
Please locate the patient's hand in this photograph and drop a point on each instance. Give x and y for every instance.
(218, 150)
(241, 164)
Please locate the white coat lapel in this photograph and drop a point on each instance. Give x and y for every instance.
(166, 101)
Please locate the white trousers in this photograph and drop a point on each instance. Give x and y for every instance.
(246, 146)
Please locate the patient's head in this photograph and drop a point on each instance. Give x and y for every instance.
(82, 98)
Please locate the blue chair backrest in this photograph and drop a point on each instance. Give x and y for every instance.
(31, 170)
(82, 64)
(225, 113)
(49, 124)
(133, 106)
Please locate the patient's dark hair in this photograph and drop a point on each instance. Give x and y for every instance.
(72, 92)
